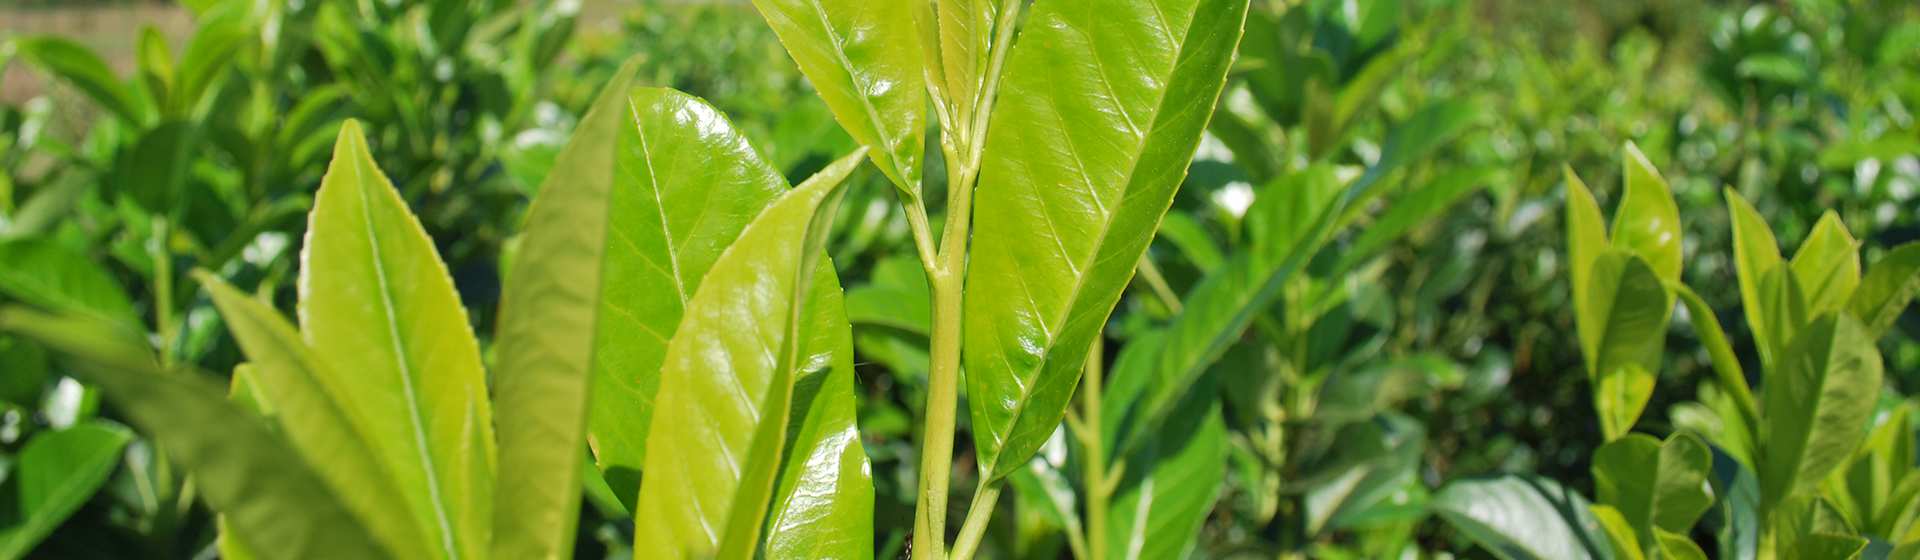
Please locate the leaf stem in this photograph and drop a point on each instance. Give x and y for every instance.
(978, 515)
(163, 287)
(1094, 472)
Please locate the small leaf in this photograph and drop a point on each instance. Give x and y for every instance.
(1620, 533)
(375, 298)
(1631, 308)
(1654, 485)
(863, 58)
(1818, 402)
(1827, 265)
(1647, 222)
(1078, 171)
(765, 325)
(1731, 377)
(543, 359)
(1521, 517)
(1888, 288)
(1755, 253)
(271, 498)
(57, 472)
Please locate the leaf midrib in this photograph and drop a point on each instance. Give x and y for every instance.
(407, 377)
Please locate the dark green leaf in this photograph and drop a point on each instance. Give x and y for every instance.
(58, 471)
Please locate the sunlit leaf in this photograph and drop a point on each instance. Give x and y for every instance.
(1818, 401)
(1521, 517)
(1078, 170)
(1827, 265)
(1887, 289)
(864, 59)
(1647, 222)
(1654, 484)
(1630, 310)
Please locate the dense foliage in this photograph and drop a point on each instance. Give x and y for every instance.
(996, 278)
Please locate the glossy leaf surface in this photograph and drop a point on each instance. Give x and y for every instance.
(1520, 517)
(1102, 108)
(1818, 401)
(376, 299)
(685, 185)
(1647, 222)
(271, 498)
(864, 59)
(1827, 265)
(554, 298)
(762, 357)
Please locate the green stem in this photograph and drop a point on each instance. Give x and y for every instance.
(1094, 472)
(975, 526)
(163, 288)
(936, 446)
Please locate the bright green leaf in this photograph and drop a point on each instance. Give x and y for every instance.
(1676, 546)
(1630, 308)
(1073, 185)
(1755, 253)
(1647, 222)
(686, 184)
(1654, 485)
(1586, 241)
(1828, 265)
(1620, 533)
(1519, 517)
(375, 298)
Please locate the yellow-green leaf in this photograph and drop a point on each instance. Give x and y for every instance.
(1828, 265)
(1102, 108)
(545, 353)
(1755, 253)
(1654, 484)
(1647, 222)
(1818, 402)
(1629, 308)
(765, 326)
(376, 299)
(1586, 241)
(863, 57)
(1888, 288)
(685, 186)
(303, 392)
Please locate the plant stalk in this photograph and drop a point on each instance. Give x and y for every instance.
(978, 515)
(1094, 472)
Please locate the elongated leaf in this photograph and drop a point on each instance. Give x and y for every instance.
(271, 498)
(686, 185)
(1786, 310)
(304, 394)
(1654, 485)
(46, 274)
(1827, 265)
(958, 37)
(1631, 308)
(375, 299)
(1731, 377)
(73, 63)
(1102, 108)
(1410, 210)
(1374, 459)
(1620, 533)
(1522, 517)
(1586, 241)
(823, 504)
(57, 472)
(863, 58)
(554, 295)
(1171, 482)
(1755, 253)
(1647, 222)
(765, 323)
(1887, 290)
(1818, 402)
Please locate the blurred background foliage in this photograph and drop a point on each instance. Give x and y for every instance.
(157, 138)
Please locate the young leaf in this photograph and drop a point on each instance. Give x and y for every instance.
(1630, 309)
(271, 498)
(376, 299)
(1522, 517)
(1827, 265)
(766, 323)
(957, 36)
(685, 185)
(1731, 377)
(1586, 241)
(1647, 222)
(863, 59)
(1654, 485)
(57, 472)
(1079, 169)
(1755, 253)
(554, 295)
(1818, 401)
(1620, 533)
(1676, 546)
(1887, 290)
(305, 395)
